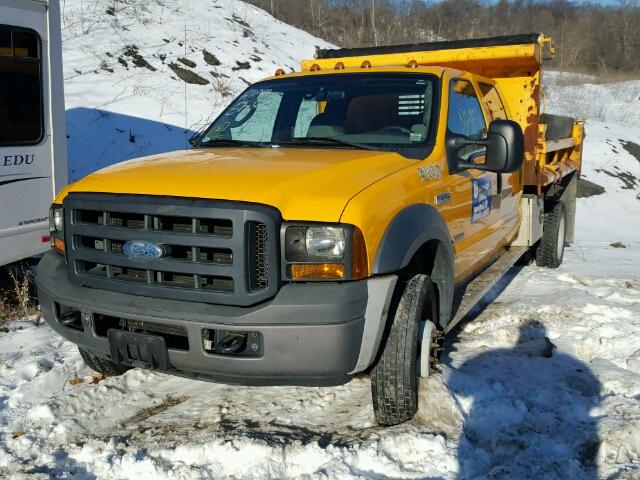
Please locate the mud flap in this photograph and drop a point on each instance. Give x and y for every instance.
(138, 349)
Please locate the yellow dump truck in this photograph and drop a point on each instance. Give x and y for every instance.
(330, 222)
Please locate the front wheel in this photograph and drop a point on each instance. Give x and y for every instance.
(550, 252)
(394, 378)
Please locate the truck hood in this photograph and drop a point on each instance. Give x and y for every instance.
(304, 184)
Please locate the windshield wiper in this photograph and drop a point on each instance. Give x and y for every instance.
(227, 142)
(326, 141)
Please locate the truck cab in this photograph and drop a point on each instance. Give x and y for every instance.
(330, 222)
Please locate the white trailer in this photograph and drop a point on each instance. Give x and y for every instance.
(33, 153)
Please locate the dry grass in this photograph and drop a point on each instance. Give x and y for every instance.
(17, 301)
(223, 86)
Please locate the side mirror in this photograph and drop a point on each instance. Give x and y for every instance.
(505, 148)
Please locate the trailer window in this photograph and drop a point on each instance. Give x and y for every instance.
(21, 118)
(493, 102)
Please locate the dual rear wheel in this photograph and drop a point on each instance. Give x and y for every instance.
(550, 251)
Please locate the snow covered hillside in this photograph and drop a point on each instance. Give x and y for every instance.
(585, 96)
(141, 76)
(507, 403)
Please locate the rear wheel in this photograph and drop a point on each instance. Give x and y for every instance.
(550, 252)
(394, 378)
(101, 365)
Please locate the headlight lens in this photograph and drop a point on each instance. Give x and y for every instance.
(325, 242)
(57, 219)
(312, 244)
(324, 252)
(56, 227)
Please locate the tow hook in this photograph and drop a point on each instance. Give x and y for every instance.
(232, 343)
(69, 317)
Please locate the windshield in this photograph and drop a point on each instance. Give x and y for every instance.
(373, 111)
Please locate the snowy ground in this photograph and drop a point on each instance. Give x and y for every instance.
(506, 404)
(587, 97)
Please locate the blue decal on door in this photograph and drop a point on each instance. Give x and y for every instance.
(480, 198)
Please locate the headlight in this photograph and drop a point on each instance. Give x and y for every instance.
(56, 227)
(324, 252)
(310, 243)
(57, 219)
(325, 242)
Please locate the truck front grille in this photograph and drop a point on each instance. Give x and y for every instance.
(213, 251)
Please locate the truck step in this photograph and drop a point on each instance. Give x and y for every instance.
(468, 296)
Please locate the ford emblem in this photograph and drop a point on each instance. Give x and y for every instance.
(142, 250)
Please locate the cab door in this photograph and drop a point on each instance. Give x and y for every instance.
(509, 191)
(474, 214)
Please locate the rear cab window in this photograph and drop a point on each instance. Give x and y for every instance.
(21, 109)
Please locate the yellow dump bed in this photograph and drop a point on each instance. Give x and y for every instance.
(553, 144)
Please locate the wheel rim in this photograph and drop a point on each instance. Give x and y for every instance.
(560, 242)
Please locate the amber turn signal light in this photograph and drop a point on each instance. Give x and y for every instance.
(58, 244)
(316, 271)
(359, 260)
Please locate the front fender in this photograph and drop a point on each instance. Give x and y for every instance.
(411, 229)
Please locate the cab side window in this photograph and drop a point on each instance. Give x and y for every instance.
(465, 114)
(21, 113)
(493, 102)
(465, 120)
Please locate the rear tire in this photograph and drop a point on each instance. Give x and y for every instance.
(550, 252)
(394, 378)
(101, 365)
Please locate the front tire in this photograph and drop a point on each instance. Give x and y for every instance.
(394, 378)
(101, 365)
(550, 252)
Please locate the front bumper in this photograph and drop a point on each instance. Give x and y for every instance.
(313, 333)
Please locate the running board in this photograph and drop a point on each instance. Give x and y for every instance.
(468, 296)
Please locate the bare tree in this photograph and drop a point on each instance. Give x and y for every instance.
(589, 36)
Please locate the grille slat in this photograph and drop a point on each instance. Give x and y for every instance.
(175, 266)
(124, 234)
(214, 251)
